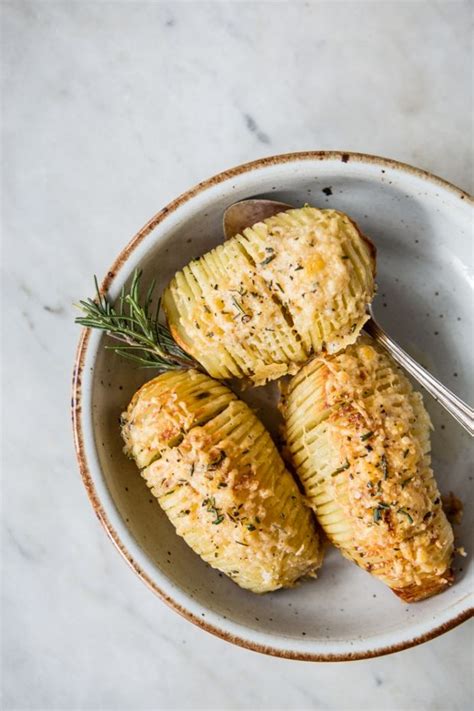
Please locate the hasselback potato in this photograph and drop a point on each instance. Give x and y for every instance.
(358, 436)
(264, 301)
(221, 481)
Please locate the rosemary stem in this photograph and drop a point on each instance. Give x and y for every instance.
(142, 337)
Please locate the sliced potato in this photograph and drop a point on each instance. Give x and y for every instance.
(262, 302)
(166, 408)
(359, 439)
(220, 479)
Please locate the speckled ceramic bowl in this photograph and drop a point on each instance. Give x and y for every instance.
(421, 226)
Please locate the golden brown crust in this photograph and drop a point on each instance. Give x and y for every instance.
(359, 438)
(428, 588)
(182, 342)
(218, 476)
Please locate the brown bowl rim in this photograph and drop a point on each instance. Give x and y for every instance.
(76, 403)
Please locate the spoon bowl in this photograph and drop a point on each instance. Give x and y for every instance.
(246, 213)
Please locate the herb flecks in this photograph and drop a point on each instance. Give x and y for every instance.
(366, 436)
(238, 305)
(210, 505)
(270, 257)
(345, 466)
(378, 511)
(384, 466)
(241, 311)
(135, 325)
(405, 513)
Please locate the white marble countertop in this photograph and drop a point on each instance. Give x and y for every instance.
(110, 110)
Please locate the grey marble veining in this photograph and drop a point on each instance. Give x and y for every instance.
(111, 109)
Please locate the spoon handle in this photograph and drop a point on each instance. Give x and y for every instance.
(453, 404)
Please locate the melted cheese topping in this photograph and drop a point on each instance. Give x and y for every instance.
(166, 408)
(258, 305)
(222, 482)
(320, 265)
(359, 436)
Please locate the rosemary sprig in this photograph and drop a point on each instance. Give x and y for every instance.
(135, 325)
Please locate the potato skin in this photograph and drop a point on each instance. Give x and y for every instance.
(358, 436)
(260, 304)
(219, 478)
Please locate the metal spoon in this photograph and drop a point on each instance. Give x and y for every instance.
(247, 212)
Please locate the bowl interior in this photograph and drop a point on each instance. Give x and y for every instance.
(421, 231)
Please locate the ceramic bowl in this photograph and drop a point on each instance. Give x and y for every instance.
(421, 226)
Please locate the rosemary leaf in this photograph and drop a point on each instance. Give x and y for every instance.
(141, 338)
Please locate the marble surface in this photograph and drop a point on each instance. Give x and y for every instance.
(110, 109)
